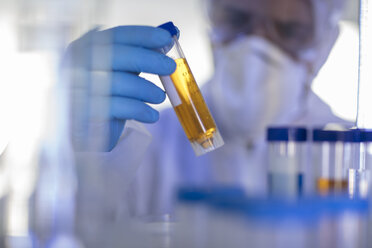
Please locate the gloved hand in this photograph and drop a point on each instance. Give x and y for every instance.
(102, 69)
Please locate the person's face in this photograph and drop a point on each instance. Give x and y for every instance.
(287, 23)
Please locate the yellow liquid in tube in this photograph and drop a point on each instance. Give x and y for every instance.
(326, 186)
(193, 112)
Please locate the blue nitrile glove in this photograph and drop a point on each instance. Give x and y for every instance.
(103, 70)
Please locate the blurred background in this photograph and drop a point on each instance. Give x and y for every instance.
(35, 32)
(34, 35)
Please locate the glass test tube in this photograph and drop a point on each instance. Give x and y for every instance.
(359, 163)
(188, 102)
(366, 163)
(286, 165)
(329, 161)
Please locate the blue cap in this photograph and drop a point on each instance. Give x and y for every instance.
(352, 135)
(287, 134)
(321, 135)
(365, 135)
(170, 27)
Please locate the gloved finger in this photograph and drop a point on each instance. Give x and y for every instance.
(99, 108)
(133, 86)
(131, 59)
(86, 39)
(143, 36)
(79, 52)
(103, 108)
(76, 77)
(125, 85)
(101, 83)
(116, 128)
(126, 108)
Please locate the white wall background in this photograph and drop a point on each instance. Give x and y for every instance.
(337, 82)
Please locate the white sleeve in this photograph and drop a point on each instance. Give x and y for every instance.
(104, 177)
(122, 161)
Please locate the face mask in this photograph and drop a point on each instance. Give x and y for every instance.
(255, 85)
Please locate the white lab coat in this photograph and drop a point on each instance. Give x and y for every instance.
(170, 160)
